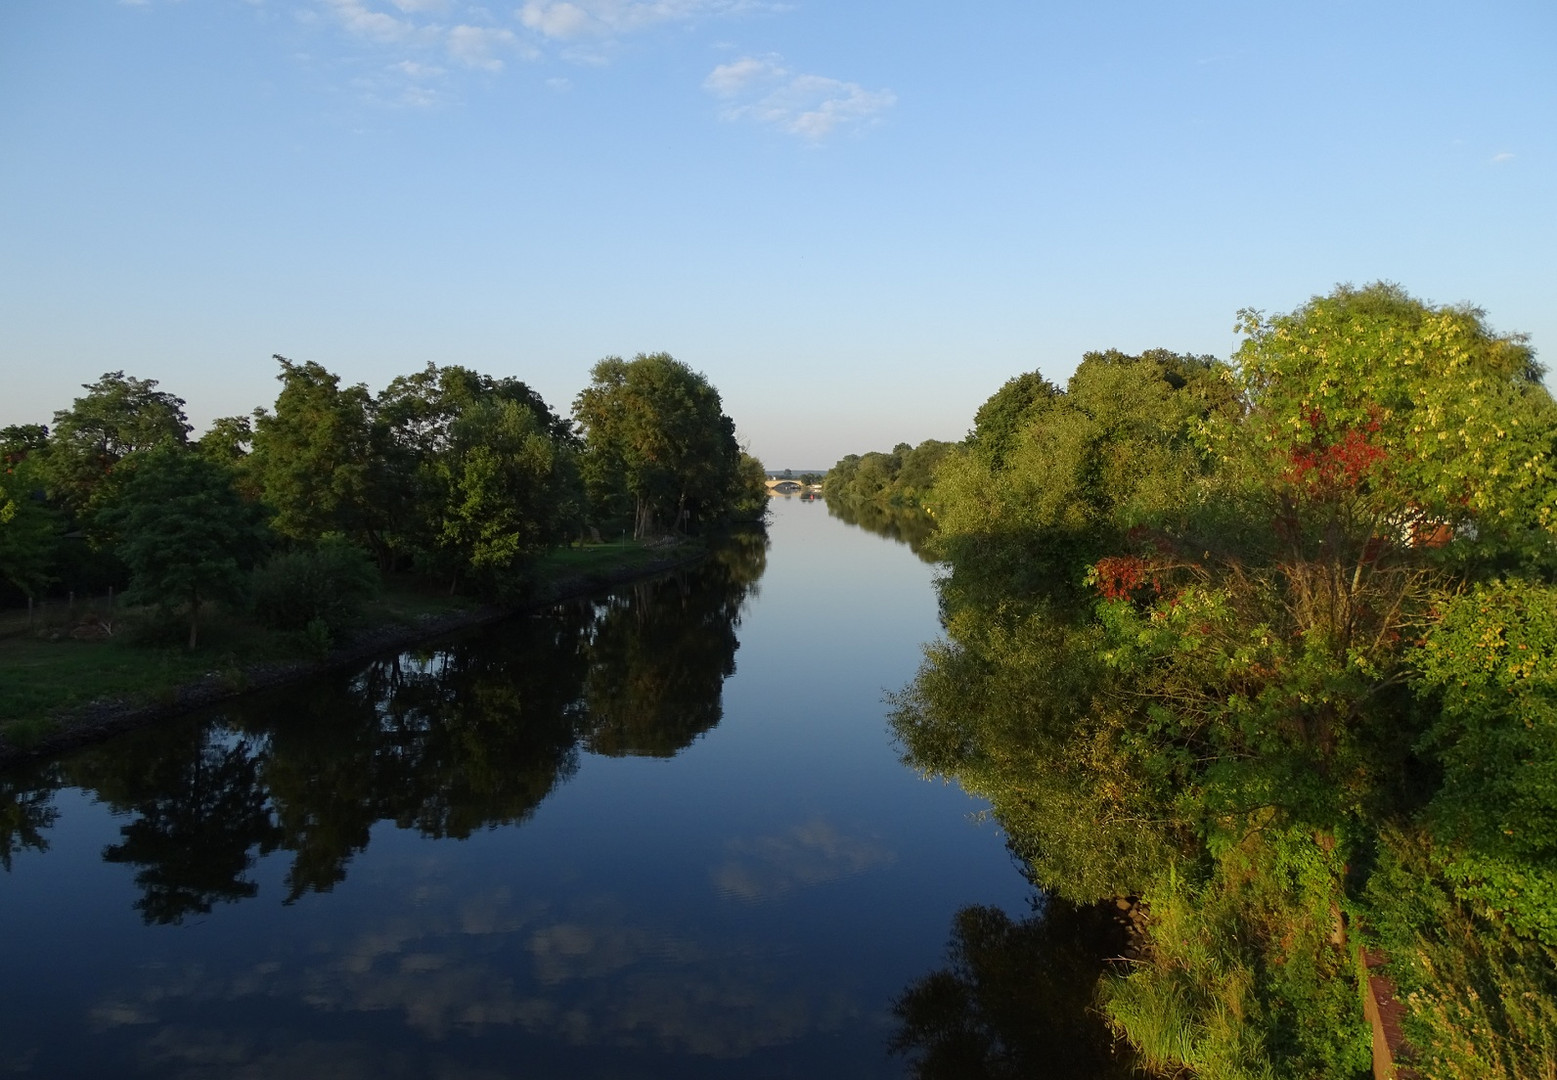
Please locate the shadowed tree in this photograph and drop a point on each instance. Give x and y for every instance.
(657, 444)
(118, 417)
(184, 532)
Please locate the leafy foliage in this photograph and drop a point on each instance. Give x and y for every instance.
(327, 583)
(659, 447)
(312, 455)
(29, 529)
(184, 533)
(902, 478)
(118, 418)
(1222, 628)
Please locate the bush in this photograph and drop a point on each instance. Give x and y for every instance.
(327, 584)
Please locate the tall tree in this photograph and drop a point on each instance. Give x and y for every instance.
(657, 442)
(505, 490)
(426, 420)
(119, 416)
(185, 533)
(312, 458)
(29, 529)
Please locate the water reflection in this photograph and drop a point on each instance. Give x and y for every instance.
(27, 812)
(445, 742)
(908, 526)
(659, 654)
(1010, 1002)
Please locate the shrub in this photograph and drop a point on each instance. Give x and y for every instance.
(327, 584)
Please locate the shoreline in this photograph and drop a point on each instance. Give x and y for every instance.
(99, 721)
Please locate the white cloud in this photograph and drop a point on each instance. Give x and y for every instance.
(474, 46)
(419, 97)
(362, 21)
(810, 106)
(565, 20)
(555, 20)
(1500, 158)
(416, 35)
(727, 80)
(810, 854)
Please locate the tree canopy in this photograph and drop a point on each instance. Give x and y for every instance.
(1244, 640)
(185, 533)
(659, 447)
(446, 472)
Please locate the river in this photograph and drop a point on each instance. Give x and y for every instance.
(664, 833)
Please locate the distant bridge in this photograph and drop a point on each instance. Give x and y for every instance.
(784, 485)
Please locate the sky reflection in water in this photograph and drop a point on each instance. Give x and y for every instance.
(653, 836)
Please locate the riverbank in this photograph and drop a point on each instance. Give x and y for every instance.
(136, 685)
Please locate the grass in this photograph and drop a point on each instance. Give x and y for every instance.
(604, 562)
(44, 670)
(47, 670)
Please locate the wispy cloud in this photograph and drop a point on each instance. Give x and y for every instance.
(763, 90)
(478, 47)
(423, 36)
(360, 20)
(566, 20)
(809, 854)
(418, 41)
(1498, 159)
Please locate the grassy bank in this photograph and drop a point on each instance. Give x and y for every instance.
(68, 669)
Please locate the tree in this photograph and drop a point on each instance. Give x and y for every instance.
(1242, 627)
(1007, 412)
(506, 491)
(657, 444)
(119, 417)
(20, 441)
(312, 458)
(29, 529)
(426, 426)
(184, 532)
(228, 440)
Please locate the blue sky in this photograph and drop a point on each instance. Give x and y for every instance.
(858, 219)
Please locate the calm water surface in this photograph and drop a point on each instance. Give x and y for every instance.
(664, 834)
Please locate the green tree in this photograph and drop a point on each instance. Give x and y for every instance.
(427, 424)
(1229, 579)
(227, 440)
(20, 441)
(29, 529)
(185, 533)
(1007, 412)
(657, 444)
(118, 417)
(313, 457)
(506, 491)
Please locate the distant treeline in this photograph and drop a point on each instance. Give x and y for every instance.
(1266, 652)
(902, 477)
(446, 471)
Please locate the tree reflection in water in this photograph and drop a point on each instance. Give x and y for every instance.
(201, 817)
(906, 525)
(444, 741)
(660, 653)
(1007, 1004)
(27, 812)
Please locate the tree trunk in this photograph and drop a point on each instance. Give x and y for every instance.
(194, 620)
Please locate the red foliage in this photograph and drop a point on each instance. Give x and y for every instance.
(1119, 576)
(1325, 463)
